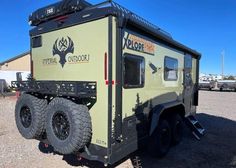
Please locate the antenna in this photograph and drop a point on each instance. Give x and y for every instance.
(223, 57)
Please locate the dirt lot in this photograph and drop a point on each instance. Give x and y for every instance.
(217, 112)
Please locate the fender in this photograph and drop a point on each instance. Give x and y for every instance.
(158, 110)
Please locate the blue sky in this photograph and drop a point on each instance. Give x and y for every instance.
(209, 26)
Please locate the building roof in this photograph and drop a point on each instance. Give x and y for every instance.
(14, 58)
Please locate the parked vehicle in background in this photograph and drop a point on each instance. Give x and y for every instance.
(3, 86)
(226, 85)
(206, 85)
(10, 76)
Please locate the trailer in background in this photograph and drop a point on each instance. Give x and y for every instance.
(3, 87)
(206, 85)
(226, 85)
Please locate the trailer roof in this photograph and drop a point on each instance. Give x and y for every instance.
(151, 28)
(109, 8)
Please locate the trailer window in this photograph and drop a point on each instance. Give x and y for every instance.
(188, 62)
(134, 71)
(188, 70)
(36, 42)
(171, 69)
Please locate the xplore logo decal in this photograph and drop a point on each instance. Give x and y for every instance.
(63, 47)
(139, 44)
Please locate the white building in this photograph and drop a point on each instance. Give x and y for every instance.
(210, 77)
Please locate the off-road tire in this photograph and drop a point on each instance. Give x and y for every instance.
(79, 121)
(36, 108)
(158, 148)
(177, 127)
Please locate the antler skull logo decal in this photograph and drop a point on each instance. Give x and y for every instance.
(63, 47)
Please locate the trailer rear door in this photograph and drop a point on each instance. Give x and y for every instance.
(188, 83)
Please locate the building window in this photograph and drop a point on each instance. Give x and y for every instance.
(134, 71)
(171, 69)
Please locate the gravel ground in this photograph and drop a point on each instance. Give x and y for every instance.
(217, 149)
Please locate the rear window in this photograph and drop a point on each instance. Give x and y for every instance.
(36, 42)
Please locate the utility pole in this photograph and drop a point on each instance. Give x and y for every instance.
(222, 57)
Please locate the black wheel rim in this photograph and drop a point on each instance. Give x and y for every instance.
(165, 137)
(178, 129)
(25, 116)
(61, 125)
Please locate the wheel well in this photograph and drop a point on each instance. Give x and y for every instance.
(179, 109)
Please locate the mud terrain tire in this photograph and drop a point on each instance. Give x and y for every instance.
(177, 128)
(160, 140)
(68, 126)
(30, 116)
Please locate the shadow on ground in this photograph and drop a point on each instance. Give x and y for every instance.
(216, 149)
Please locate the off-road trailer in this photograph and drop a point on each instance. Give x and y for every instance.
(103, 80)
(206, 85)
(226, 85)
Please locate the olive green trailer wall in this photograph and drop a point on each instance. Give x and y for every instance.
(156, 89)
(86, 63)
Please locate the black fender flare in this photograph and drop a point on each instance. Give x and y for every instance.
(158, 110)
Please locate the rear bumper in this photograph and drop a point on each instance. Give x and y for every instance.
(81, 89)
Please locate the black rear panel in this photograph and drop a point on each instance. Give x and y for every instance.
(79, 89)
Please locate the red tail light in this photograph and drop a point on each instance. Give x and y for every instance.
(106, 70)
(61, 18)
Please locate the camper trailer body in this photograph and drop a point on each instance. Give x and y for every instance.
(128, 73)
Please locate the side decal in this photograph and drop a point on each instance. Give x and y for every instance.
(139, 44)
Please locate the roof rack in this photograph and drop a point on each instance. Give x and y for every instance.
(55, 10)
(70, 6)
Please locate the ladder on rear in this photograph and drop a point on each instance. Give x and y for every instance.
(197, 130)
